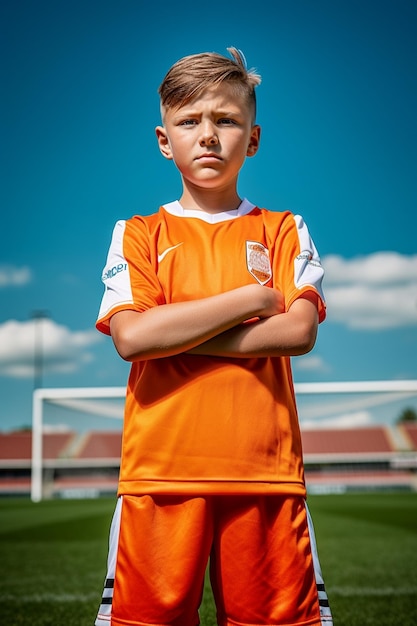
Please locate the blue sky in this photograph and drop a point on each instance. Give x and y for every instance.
(339, 146)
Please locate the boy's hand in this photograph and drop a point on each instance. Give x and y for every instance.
(271, 335)
(271, 301)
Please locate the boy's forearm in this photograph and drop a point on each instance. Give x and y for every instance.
(290, 334)
(174, 328)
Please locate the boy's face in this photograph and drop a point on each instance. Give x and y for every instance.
(210, 137)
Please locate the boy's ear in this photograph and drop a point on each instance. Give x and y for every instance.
(163, 142)
(255, 137)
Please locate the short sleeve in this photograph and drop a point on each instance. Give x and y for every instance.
(129, 278)
(297, 263)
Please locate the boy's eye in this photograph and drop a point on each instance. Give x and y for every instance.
(223, 121)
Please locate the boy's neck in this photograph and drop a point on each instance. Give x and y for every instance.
(216, 201)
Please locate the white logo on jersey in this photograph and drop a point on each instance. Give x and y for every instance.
(257, 259)
(165, 252)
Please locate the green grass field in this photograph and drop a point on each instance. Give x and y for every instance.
(53, 559)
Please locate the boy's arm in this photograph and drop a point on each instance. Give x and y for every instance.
(171, 329)
(291, 334)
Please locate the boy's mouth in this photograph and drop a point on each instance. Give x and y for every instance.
(209, 155)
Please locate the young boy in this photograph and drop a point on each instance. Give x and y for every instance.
(209, 298)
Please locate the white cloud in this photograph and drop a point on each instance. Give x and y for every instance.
(373, 292)
(63, 351)
(377, 268)
(11, 276)
(310, 363)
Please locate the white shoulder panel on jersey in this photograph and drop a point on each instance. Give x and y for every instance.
(116, 278)
(308, 269)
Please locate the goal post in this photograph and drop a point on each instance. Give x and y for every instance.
(348, 397)
(58, 395)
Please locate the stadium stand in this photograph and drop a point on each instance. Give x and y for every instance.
(375, 440)
(367, 458)
(410, 430)
(338, 460)
(101, 445)
(18, 445)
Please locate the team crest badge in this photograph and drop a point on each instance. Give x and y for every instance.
(257, 260)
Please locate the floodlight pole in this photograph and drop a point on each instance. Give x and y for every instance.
(38, 316)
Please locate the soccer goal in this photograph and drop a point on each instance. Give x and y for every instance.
(346, 427)
(62, 421)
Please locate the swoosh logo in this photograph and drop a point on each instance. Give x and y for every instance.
(165, 252)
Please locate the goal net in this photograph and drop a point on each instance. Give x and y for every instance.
(350, 432)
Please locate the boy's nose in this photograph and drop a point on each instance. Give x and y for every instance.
(209, 141)
(208, 136)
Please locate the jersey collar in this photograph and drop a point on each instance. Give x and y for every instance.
(175, 208)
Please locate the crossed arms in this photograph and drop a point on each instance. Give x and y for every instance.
(216, 326)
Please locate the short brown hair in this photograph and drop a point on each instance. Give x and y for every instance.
(192, 74)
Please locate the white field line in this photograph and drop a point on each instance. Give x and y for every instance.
(52, 597)
(370, 591)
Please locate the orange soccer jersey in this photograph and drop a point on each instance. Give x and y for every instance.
(202, 424)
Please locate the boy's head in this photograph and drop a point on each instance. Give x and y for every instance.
(191, 75)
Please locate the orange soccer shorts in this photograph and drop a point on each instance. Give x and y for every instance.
(263, 564)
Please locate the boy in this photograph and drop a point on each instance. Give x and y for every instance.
(208, 299)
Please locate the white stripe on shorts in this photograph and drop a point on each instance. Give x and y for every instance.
(104, 612)
(325, 613)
